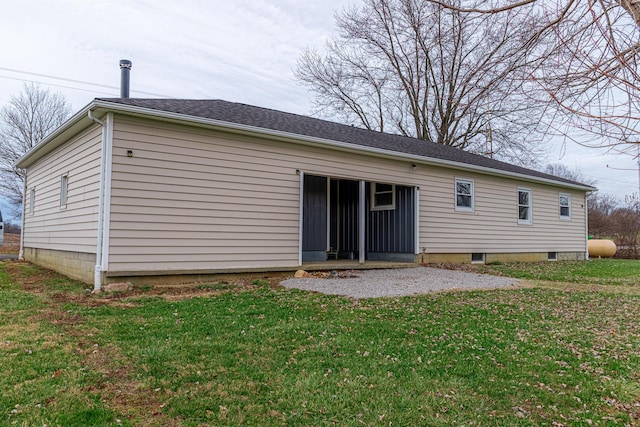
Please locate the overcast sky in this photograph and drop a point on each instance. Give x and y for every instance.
(236, 50)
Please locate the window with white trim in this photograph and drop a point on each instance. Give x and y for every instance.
(64, 186)
(32, 200)
(383, 197)
(524, 206)
(565, 206)
(464, 194)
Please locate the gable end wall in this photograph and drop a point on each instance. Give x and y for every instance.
(72, 228)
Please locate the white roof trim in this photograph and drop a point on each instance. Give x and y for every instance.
(255, 130)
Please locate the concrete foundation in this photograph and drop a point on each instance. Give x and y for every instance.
(80, 266)
(500, 257)
(76, 265)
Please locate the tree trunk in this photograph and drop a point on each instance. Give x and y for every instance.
(633, 8)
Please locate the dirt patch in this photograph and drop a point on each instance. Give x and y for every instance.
(61, 290)
(118, 388)
(29, 277)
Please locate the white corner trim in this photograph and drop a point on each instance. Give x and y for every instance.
(97, 276)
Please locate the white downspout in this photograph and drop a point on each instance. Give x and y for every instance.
(97, 279)
(106, 207)
(24, 207)
(586, 225)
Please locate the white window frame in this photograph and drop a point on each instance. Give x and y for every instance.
(32, 200)
(472, 195)
(568, 206)
(64, 190)
(375, 192)
(529, 219)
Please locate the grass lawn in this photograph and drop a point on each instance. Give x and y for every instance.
(596, 271)
(555, 354)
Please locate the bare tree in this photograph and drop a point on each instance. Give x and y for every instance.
(561, 170)
(594, 77)
(24, 122)
(626, 228)
(423, 70)
(600, 208)
(590, 70)
(618, 221)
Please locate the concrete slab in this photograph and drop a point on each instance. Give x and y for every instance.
(354, 265)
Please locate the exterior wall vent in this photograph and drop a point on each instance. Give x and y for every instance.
(477, 258)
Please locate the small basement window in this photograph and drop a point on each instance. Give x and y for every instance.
(477, 258)
(383, 197)
(552, 256)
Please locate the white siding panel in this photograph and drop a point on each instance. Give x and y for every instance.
(192, 198)
(73, 228)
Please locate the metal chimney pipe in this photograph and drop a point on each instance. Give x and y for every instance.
(125, 68)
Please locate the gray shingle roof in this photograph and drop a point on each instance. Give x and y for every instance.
(308, 126)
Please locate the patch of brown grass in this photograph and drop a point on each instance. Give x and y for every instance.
(120, 391)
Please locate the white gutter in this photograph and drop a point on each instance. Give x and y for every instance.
(97, 279)
(53, 135)
(345, 146)
(303, 139)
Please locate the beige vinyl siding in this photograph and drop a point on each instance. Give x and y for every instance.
(191, 198)
(74, 227)
(493, 225)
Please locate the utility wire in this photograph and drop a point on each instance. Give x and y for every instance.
(55, 85)
(48, 76)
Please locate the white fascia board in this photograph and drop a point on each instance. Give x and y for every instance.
(38, 150)
(310, 140)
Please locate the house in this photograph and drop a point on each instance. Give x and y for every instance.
(129, 189)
